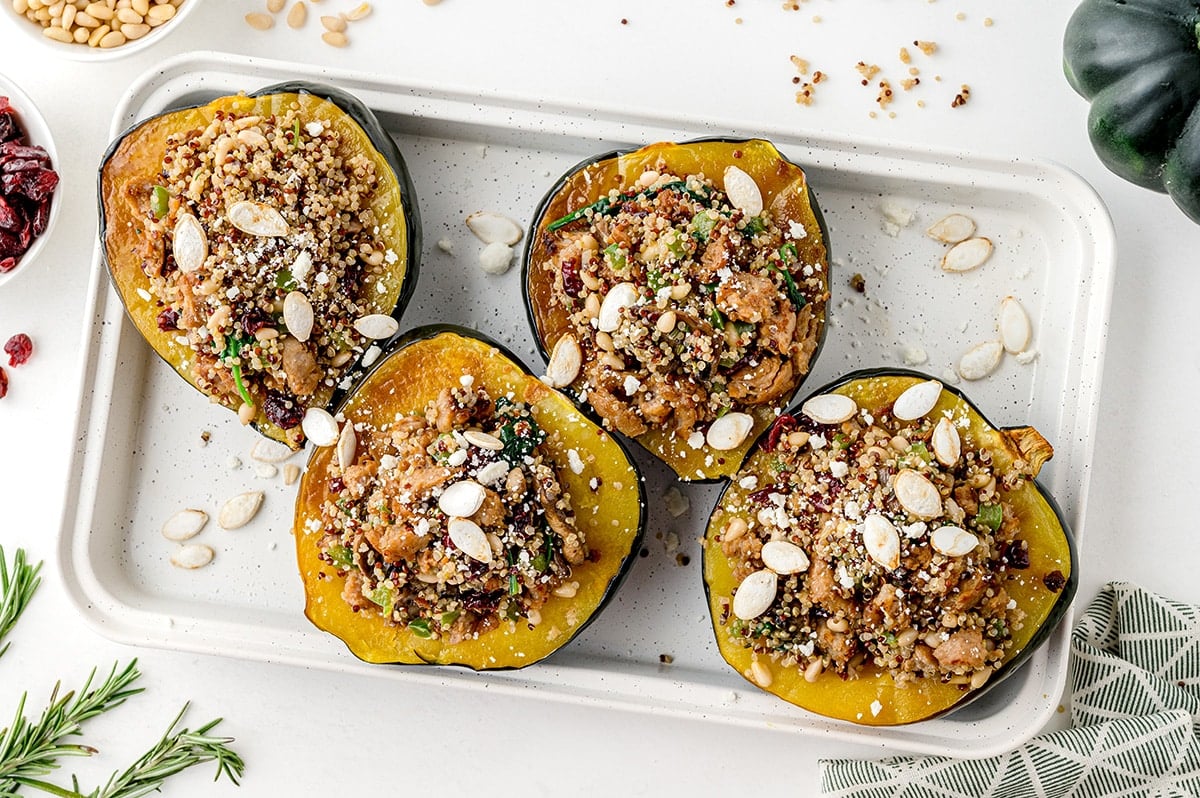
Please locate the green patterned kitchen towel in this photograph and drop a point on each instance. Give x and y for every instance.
(1135, 679)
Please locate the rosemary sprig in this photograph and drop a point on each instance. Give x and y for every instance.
(176, 751)
(16, 589)
(29, 750)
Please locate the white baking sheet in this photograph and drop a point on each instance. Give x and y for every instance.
(140, 457)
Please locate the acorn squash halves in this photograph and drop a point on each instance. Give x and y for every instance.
(843, 550)
(483, 628)
(689, 281)
(257, 267)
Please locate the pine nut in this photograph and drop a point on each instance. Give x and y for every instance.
(567, 590)
(275, 6)
(128, 16)
(612, 361)
(838, 625)
(761, 674)
(534, 617)
(140, 6)
(81, 35)
(135, 31)
(298, 15)
(68, 16)
(335, 24)
(58, 35)
(246, 413)
(736, 527)
(604, 341)
(680, 290)
(813, 671)
(162, 13)
(98, 34)
(358, 12)
(666, 322)
(99, 11)
(334, 38)
(260, 21)
(590, 281)
(112, 39)
(907, 637)
(591, 306)
(20, 6)
(980, 677)
(85, 20)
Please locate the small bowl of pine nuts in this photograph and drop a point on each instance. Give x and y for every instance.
(98, 30)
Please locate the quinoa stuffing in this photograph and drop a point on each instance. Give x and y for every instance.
(687, 301)
(878, 543)
(452, 523)
(266, 258)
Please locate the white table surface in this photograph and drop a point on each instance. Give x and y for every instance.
(309, 732)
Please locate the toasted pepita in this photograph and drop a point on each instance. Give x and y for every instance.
(298, 315)
(483, 440)
(830, 408)
(882, 541)
(953, 541)
(952, 229)
(491, 227)
(917, 400)
(980, 360)
(565, 361)
(755, 594)
(619, 297)
(189, 243)
(192, 556)
(257, 219)
(917, 494)
(377, 326)
(967, 255)
(470, 539)
(184, 525)
(784, 557)
(240, 510)
(947, 445)
(728, 431)
(1015, 328)
(347, 446)
(462, 499)
(320, 427)
(742, 191)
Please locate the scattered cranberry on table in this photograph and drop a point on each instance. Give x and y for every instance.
(18, 348)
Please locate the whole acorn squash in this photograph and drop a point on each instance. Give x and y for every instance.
(1040, 582)
(785, 191)
(132, 197)
(1138, 62)
(607, 493)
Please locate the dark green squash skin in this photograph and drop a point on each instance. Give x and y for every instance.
(527, 263)
(426, 333)
(1138, 62)
(383, 143)
(1065, 597)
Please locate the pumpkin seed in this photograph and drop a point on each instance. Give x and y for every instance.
(320, 427)
(491, 227)
(755, 594)
(952, 229)
(298, 315)
(784, 557)
(462, 499)
(184, 525)
(189, 244)
(358, 12)
(953, 541)
(1015, 327)
(728, 431)
(882, 541)
(333, 24)
(565, 361)
(947, 446)
(483, 440)
(347, 446)
(260, 21)
(967, 255)
(192, 556)
(335, 38)
(619, 297)
(917, 494)
(917, 400)
(470, 539)
(830, 408)
(742, 191)
(980, 360)
(297, 15)
(257, 219)
(377, 326)
(240, 510)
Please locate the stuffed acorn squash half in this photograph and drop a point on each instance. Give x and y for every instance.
(678, 291)
(468, 514)
(884, 554)
(260, 244)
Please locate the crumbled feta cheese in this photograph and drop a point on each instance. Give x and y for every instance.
(676, 503)
(574, 461)
(496, 257)
(144, 294)
(876, 707)
(696, 439)
(446, 245)
(322, 278)
(914, 530)
(1027, 357)
(466, 380)
(796, 230)
(851, 510)
(748, 483)
(457, 457)
(817, 441)
(843, 577)
(422, 527)
(839, 469)
(632, 384)
(315, 128)
(914, 355)
(390, 256)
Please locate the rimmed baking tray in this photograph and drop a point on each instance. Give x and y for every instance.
(141, 456)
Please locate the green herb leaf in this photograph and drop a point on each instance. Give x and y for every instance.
(793, 291)
(341, 556)
(520, 437)
(16, 591)
(788, 253)
(420, 627)
(233, 347)
(606, 206)
(616, 257)
(285, 280)
(702, 226)
(754, 225)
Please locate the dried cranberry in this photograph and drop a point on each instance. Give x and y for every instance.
(336, 485)
(7, 264)
(18, 348)
(9, 216)
(3, 383)
(168, 320)
(782, 426)
(1054, 581)
(282, 411)
(255, 319)
(763, 495)
(572, 282)
(41, 217)
(1016, 552)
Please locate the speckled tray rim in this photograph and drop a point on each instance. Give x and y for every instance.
(681, 694)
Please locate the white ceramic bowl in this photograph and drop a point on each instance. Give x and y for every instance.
(36, 132)
(81, 52)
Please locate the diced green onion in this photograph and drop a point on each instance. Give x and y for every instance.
(920, 450)
(341, 556)
(754, 224)
(991, 516)
(514, 586)
(420, 627)
(703, 224)
(616, 257)
(716, 319)
(160, 202)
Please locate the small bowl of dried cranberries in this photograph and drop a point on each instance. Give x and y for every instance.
(28, 181)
